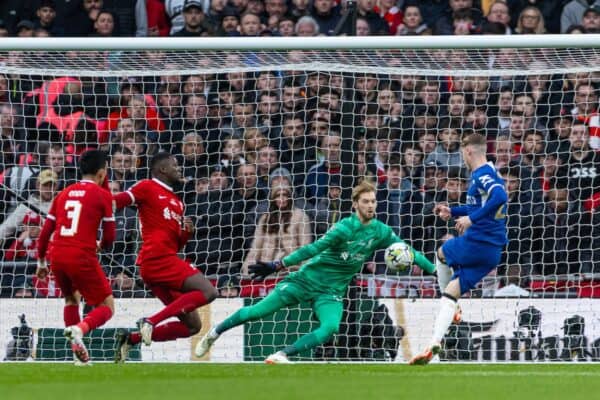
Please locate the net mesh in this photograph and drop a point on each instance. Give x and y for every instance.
(250, 127)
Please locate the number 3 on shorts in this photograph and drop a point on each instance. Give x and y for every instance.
(73, 208)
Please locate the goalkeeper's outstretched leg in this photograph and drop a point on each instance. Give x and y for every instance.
(273, 302)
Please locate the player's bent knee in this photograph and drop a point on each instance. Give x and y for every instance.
(211, 294)
(330, 329)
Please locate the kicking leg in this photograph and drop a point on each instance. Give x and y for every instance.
(444, 275)
(273, 302)
(197, 291)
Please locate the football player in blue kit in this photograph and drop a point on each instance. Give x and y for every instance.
(464, 260)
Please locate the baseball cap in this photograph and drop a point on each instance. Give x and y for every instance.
(47, 176)
(229, 11)
(192, 3)
(25, 24)
(593, 8)
(434, 164)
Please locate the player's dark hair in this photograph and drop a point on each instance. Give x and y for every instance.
(91, 162)
(158, 159)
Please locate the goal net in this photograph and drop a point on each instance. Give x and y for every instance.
(271, 143)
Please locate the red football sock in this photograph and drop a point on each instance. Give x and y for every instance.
(135, 338)
(183, 304)
(170, 331)
(97, 317)
(71, 315)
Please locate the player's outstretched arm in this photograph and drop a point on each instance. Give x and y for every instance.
(496, 198)
(338, 233)
(122, 200)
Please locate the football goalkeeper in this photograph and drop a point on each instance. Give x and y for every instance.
(334, 259)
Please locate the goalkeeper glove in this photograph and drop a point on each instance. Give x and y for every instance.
(261, 269)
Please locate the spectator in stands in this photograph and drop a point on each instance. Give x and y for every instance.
(516, 130)
(193, 158)
(560, 130)
(591, 19)
(120, 266)
(397, 199)
(500, 121)
(327, 211)
(286, 25)
(447, 151)
(500, 14)
(11, 137)
(517, 257)
(529, 160)
(412, 22)
(306, 26)
(586, 102)
(55, 160)
(195, 23)
(242, 117)
(426, 141)
(266, 162)
(81, 21)
(327, 15)
(232, 155)
(121, 167)
(24, 247)
(212, 243)
(229, 286)
(46, 189)
(46, 18)
(280, 231)
(250, 24)
(503, 151)
(25, 28)
(104, 25)
(573, 11)
(581, 164)
(524, 103)
(298, 151)
(444, 24)
(253, 140)
(3, 29)
(428, 95)
(292, 96)
(413, 162)
(268, 110)
(531, 21)
(229, 23)
(248, 197)
(319, 175)
(158, 21)
(562, 234)
(546, 174)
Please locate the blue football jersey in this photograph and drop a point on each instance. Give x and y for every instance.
(486, 206)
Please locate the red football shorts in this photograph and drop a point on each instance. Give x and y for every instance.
(82, 273)
(165, 276)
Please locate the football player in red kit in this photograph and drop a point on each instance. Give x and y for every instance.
(178, 284)
(74, 218)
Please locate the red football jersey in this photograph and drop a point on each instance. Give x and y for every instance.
(161, 218)
(77, 212)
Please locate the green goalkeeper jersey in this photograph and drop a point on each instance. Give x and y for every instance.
(341, 253)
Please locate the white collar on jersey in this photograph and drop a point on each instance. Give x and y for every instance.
(161, 183)
(88, 181)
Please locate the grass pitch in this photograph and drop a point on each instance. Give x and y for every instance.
(48, 381)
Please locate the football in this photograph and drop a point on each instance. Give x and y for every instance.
(398, 257)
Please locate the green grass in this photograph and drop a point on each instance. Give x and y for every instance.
(47, 381)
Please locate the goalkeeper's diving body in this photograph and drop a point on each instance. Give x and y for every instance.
(463, 261)
(323, 280)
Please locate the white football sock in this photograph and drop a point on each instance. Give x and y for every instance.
(444, 273)
(444, 319)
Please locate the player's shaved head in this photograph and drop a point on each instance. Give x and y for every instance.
(158, 160)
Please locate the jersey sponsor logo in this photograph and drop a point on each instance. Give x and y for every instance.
(171, 215)
(486, 179)
(344, 255)
(584, 172)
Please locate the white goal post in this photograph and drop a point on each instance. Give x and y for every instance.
(249, 118)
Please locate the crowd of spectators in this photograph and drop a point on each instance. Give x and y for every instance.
(269, 158)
